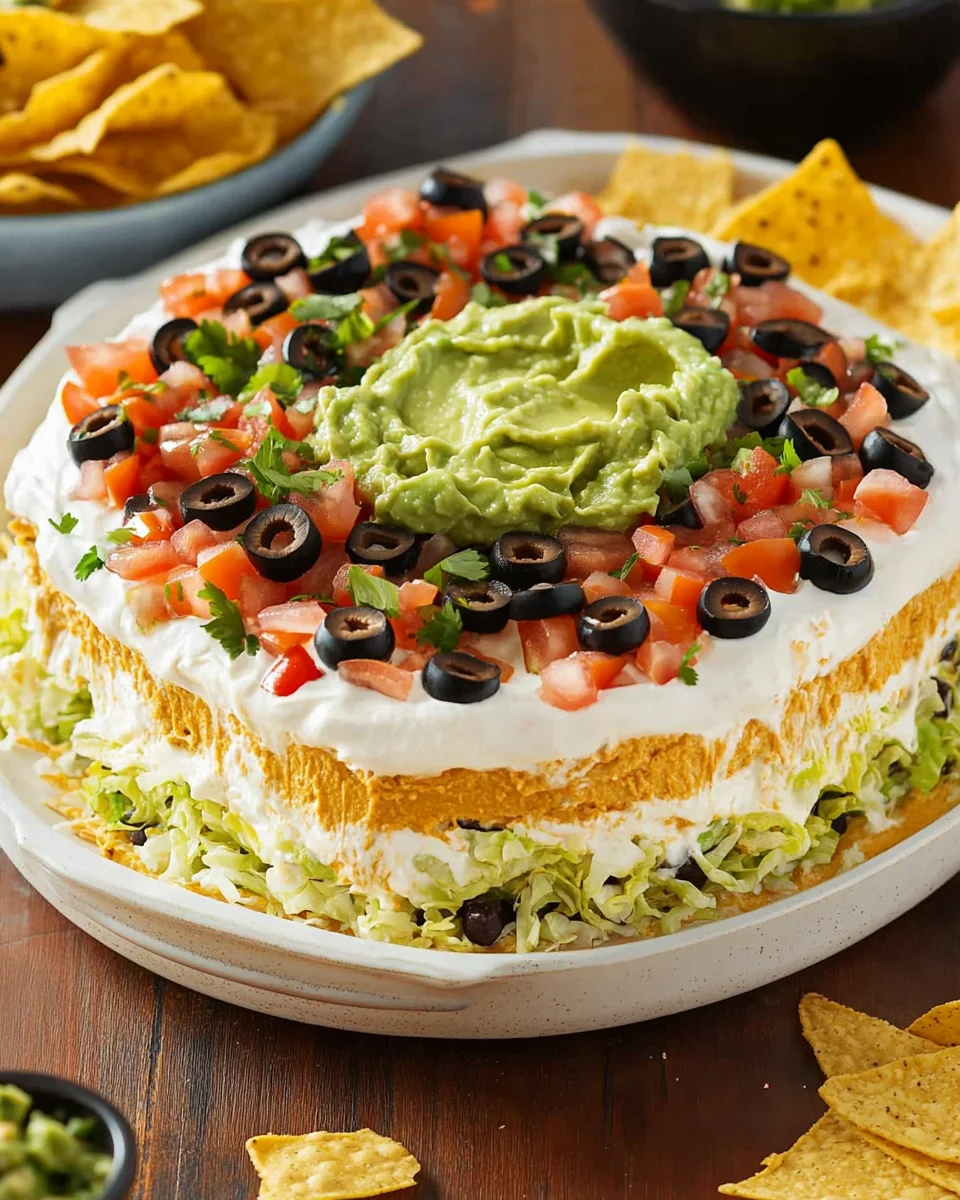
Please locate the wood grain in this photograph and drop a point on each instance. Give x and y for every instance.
(668, 1109)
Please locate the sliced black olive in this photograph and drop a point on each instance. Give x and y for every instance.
(101, 435)
(522, 559)
(167, 345)
(708, 325)
(786, 338)
(945, 692)
(459, 678)
(517, 270)
(819, 372)
(282, 542)
(478, 825)
(484, 919)
(138, 504)
(345, 269)
(307, 348)
(361, 632)
(608, 259)
(613, 624)
(756, 265)
(733, 608)
(835, 560)
(271, 254)
(387, 546)
(674, 258)
(545, 600)
(412, 281)
(885, 449)
(683, 514)
(814, 433)
(219, 501)
(259, 301)
(904, 396)
(949, 651)
(484, 606)
(453, 189)
(763, 405)
(691, 872)
(565, 230)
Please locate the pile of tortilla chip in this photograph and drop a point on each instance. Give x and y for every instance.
(330, 1166)
(105, 102)
(821, 217)
(893, 1125)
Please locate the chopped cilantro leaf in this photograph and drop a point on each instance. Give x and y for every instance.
(392, 315)
(548, 246)
(226, 623)
(126, 383)
(168, 591)
(813, 496)
(149, 437)
(337, 250)
(67, 523)
(627, 567)
(407, 242)
(675, 297)
(221, 437)
(537, 202)
(90, 562)
(718, 287)
(484, 294)
(464, 564)
(443, 630)
(739, 494)
(320, 307)
(222, 356)
(810, 391)
(797, 530)
(880, 349)
(789, 458)
(211, 410)
(742, 461)
(120, 537)
(355, 328)
(271, 476)
(685, 673)
(373, 591)
(284, 381)
(502, 262)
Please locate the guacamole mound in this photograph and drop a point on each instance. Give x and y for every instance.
(529, 416)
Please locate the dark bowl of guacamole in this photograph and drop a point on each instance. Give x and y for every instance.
(60, 1139)
(777, 75)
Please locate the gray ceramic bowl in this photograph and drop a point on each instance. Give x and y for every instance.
(47, 258)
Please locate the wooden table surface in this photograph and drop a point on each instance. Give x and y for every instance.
(667, 1109)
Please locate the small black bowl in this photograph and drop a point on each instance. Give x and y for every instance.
(60, 1097)
(780, 82)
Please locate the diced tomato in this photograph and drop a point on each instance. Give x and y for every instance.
(274, 330)
(580, 205)
(389, 212)
(773, 300)
(712, 496)
(148, 604)
(340, 587)
(451, 293)
(543, 642)
(377, 676)
(639, 273)
(630, 676)
(443, 225)
(653, 543)
(477, 644)
(499, 190)
(301, 423)
(92, 485)
(417, 658)
(599, 584)
(290, 672)
(300, 617)
(175, 594)
(191, 294)
(867, 410)
(690, 558)
(816, 474)
(568, 683)
(333, 508)
(603, 668)
(776, 561)
(225, 566)
(192, 583)
(590, 550)
(671, 623)
(76, 403)
(257, 593)
(193, 537)
(416, 593)
(151, 525)
(142, 562)
(844, 493)
(765, 524)
(886, 496)
(832, 356)
(680, 587)
(745, 364)
(660, 661)
(221, 448)
(504, 226)
(166, 494)
(99, 365)
(318, 581)
(760, 482)
(122, 479)
(405, 629)
(845, 466)
(628, 299)
(256, 418)
(185, 381)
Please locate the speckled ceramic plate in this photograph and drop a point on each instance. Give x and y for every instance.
(292, 970)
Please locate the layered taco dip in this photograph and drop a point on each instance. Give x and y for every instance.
(486, 572)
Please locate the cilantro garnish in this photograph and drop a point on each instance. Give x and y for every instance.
(337, 250)
(373, 591)
(407, 242)
(798, 529)
(126, 383)
(675, 297)
(739, 494)
(226, 623)
(813, 496)
(484, 294)
(627, 567)
(67, 523)
(464, 564)
(879, 349)
(211, 410)
(321, 307)
(685, 672)
(443, 630)
(718, 287)
(577, 275)
(120, 537)
(502, 262)
(271, 476)
(90, 562)
(547, 244)
(789, 458)
(810, 391)
(222, 356)
(284, 381)
(536, 202)
(169, 593)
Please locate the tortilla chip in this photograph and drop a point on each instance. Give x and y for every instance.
(831, 1162)
(846, 1041)
(152, 130)
(290, 58)
(331, 1166)
(938, 271)
(36, 43)
(940, 1024)
(651, 187)
(137, 16)
(29, 193)
(823, 219)
(914, 1102)
(945, 1175)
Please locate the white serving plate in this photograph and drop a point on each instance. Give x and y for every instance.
(294, 971)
